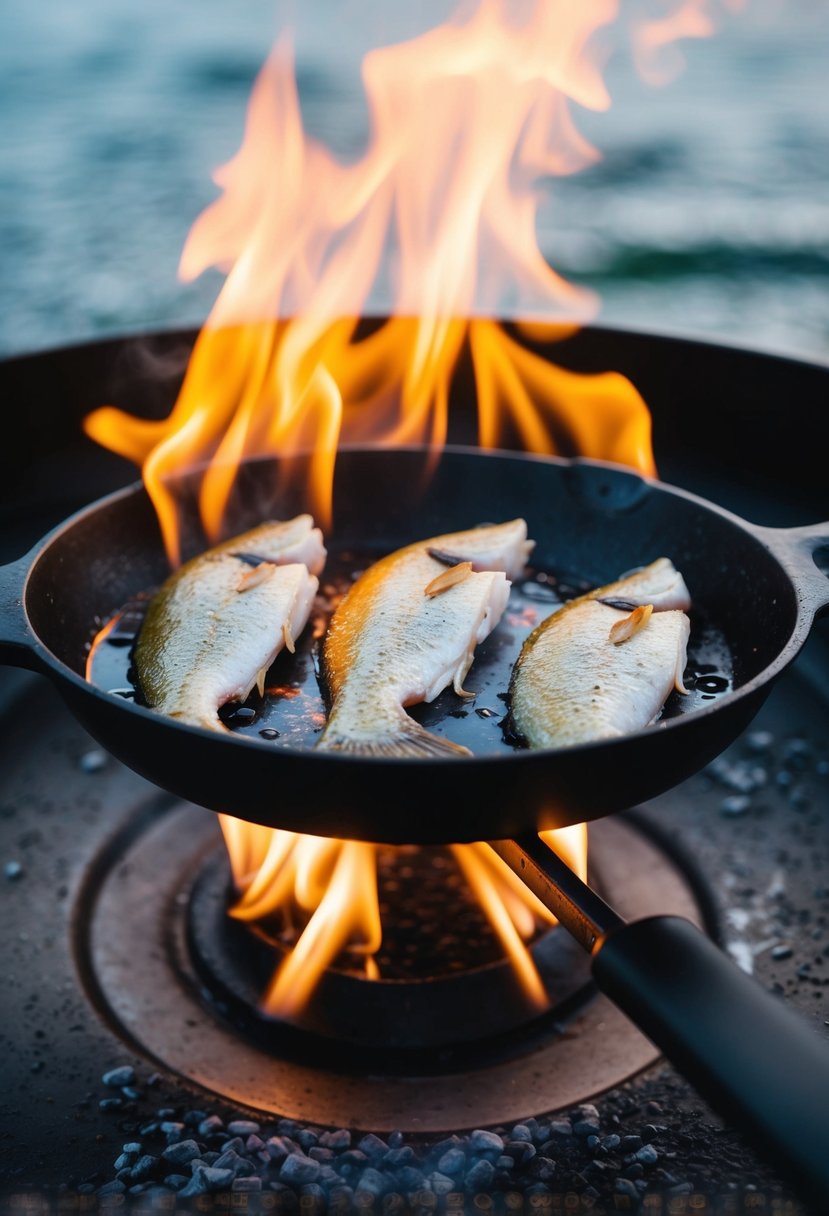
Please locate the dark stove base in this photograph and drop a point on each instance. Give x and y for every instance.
(763, 846)
(135, 959)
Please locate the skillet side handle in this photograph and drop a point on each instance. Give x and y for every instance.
(752, 1057)
(795, 549)
(17, 643)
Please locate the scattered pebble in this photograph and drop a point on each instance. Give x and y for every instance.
(117, 1078)
(13, 870)
(779, 953)
(93, 762)
(735, 805)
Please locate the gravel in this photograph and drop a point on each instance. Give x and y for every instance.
(616, 1157)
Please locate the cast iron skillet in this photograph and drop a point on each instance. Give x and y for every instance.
(760, 586)
(750, 1055)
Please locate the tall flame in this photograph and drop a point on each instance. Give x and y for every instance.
(465, 122)
(330, 887)
(439, 215)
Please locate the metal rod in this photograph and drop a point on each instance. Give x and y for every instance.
(578, 908)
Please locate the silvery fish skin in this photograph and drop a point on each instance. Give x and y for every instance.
(218, 622)
(392, 644)
(574, 684)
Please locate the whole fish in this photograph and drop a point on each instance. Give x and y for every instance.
(604, 664)
(407, 629)
(217, 624)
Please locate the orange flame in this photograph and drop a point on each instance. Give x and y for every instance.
(440, 214)
(465, 122)
(331, 886)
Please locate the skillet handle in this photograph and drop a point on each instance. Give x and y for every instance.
(752, 1057)
(17, 642)
(795, 549)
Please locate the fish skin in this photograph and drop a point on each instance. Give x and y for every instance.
(572, 684)
(212, 628)
(390, 644)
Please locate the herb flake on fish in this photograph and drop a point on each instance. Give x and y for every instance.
(588, 673)
(217, 624)
(390, 645)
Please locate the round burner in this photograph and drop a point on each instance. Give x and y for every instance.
(436, 993)
(135, 954)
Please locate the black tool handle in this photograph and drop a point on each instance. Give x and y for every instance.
(756, 1061)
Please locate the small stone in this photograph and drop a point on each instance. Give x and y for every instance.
(227, 1161)
(735, 805)
(759, 741)
(373, 1182)
(631, 1144)
(13, 870)
(521, 1132)
(623, 1186)
(176, 1181)
(143, 1167)
(191, 1117)
(484, 1142)
(243, 1127)
(440, 1184)
(480, 1177)
(297, 1168)
(653, 1108)
(132, 1146)
(130, 1092)
(111, 1104)
(505, 1163)
(452, 1161)
(317, 1153)
(373, 1146)
(306, 1139)
(254, 1144)
(561, 1127)
(338, 1140)
(396, 1139)
(111, 1188)
(116, 1078)
(780, 953)
(647, 1155)
(93, 762)
(611, 1142)
(586, 1127)
(543, 1168)
(353, 1156)
(397, 1157)
(211, 1125)
(170, 1127)
(409, 1179)
(215, 1179)
(197, 1185)
(182, 1153)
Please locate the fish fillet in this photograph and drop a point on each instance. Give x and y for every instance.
(603, 665)
(217, 624)
(407, 629)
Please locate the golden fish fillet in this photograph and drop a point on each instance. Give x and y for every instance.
(407, 629)
(604, 664)
(217, 624)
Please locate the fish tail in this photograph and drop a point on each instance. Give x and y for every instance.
(403, 739)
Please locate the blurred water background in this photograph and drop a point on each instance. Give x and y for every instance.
(708, 213)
